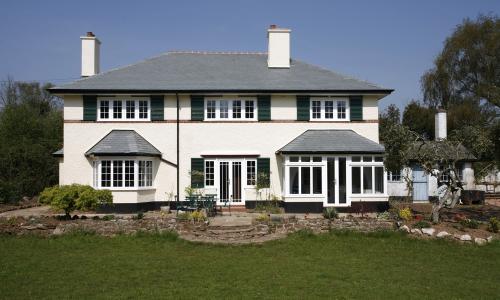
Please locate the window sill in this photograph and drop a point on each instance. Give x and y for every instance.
(122, 189)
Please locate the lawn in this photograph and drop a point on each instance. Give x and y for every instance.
(335, 265)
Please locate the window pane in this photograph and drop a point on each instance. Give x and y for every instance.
(251, 172)
(130, 109)
(105, 173)
(129, 173)
(379, 158)
(249, 109)
(117, 173)
(237, 109)
(316, 109)
(117, 109)
(356, 159)
(142, 173)
(328, 109)
(209, 173)
(305, 159)
(367, 180)
(317, 180)
(367, 158)
(305, 180)
(317, 159)
(379, 180)
(356, 180)
(143, 109)
(341, 109)
(224, 109)
(149, 173)
(294, 180)
(211, 109)
(294, 159)
(104, 109)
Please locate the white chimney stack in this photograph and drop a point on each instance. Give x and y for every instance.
(440, 131)
(90, 55)
(278, 55)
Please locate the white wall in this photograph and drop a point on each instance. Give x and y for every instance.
(264, 138)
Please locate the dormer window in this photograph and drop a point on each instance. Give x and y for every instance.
(230, 109)
(127, 109)
(329, 109)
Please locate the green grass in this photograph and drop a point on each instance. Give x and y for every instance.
(336, 265)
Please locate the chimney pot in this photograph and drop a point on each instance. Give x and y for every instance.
(90, 34)
(273, 26)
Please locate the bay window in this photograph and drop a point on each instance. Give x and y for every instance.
(123, 173)
(230, 109)
(329, 109)
(124, 109)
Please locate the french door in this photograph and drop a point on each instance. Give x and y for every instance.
(336, 169)
(230, 181)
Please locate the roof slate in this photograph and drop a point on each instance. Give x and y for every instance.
(331, 141)
(204, 71)
(123, 142)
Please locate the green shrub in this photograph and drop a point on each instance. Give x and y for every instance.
(183, 216)
(405, 213)
(197, 216)
(75, 197)
(493, 224)
(422, 224)
(330, 213)
(384, 215)
(470, 223)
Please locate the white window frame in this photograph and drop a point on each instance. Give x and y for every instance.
(230, 109)
(300, 163)
(96, 171)
(391, 177)
(123, 109)
(371, 164)
(335, 101)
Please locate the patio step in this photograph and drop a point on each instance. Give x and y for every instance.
(234, 208)
(250, 233)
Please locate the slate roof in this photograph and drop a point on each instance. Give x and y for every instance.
(331, 141)
(59, 153)
(121, 143)
(218, 72)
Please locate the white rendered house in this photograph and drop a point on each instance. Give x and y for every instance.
(141, 130)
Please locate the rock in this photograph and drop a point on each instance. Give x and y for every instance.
(442, 234)
(465, 238)
(416, 231)
(57, 231)
(41, 226)
(489, 239)
(480, 241)
(428, 231)
(276, 218)
(29, 227)
(404, 228)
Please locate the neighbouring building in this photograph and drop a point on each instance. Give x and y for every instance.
(234, 118)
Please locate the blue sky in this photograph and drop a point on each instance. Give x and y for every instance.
(390, 43)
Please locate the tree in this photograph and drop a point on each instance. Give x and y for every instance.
(468, 67)
(30, 131)
(420, 119)
(390, 116)
(405, 147)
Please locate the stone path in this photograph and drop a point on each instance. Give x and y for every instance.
(28, 212)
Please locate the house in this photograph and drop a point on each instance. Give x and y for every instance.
(425, 186)
(232, 119)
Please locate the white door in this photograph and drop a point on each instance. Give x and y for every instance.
(230, 182)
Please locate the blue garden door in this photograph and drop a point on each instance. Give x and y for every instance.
(419, 184)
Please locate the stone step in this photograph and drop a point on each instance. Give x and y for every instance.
(234, 208)
(226, 230)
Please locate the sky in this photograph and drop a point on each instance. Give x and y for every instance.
(389, 43)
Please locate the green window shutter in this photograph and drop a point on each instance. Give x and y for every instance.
(89, 108)
(157, 107)
(264, 108)
(197, 108)
(263, 171)
(356, 107)
(197, 172)
(303, 108)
